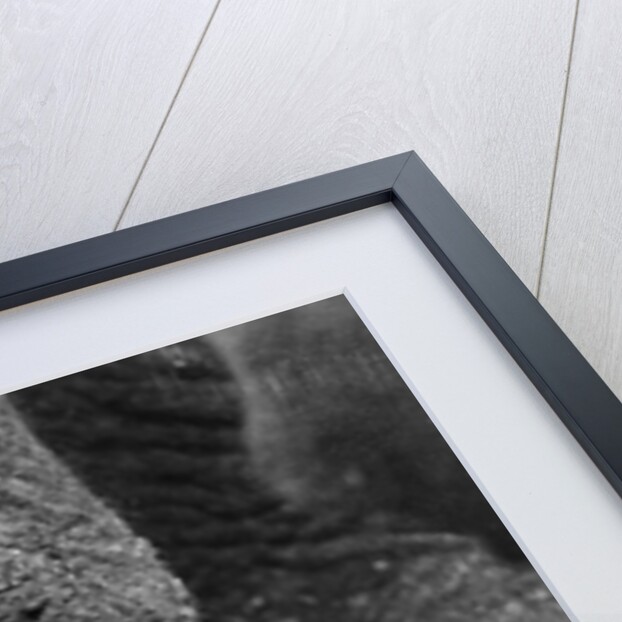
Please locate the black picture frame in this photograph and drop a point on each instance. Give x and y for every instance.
(572, 388)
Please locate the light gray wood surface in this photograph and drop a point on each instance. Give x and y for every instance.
(582, 276)
(84, 87)
(282, 91)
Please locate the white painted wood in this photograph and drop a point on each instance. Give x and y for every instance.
(582, 276)
(556, 502)
(84, 87)
(281, 91)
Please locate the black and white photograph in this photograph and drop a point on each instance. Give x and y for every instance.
(275, 471)
(310, 311)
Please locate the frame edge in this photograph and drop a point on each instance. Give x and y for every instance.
(569, 384)
(561, 374)
(153, 244)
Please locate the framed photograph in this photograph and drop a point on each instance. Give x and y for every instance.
(328, 401)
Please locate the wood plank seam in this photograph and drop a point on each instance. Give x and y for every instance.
(547, 218)
(166, 115)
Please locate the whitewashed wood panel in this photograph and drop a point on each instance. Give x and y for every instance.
(84, 87)
(582, 275)
(281, 91)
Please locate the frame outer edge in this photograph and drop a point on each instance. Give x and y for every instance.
(576, 393)
(565, 379)
(113, 255)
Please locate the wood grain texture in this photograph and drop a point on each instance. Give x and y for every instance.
(582, 275)
(279, 92)
(84, 87)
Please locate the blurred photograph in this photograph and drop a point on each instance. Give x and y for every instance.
(276, 471)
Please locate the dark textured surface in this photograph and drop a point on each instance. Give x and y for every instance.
(296, 479)
(64, 555)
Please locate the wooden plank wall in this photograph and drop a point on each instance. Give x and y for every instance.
(84, 87)
(114, 115)
(582, 272)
